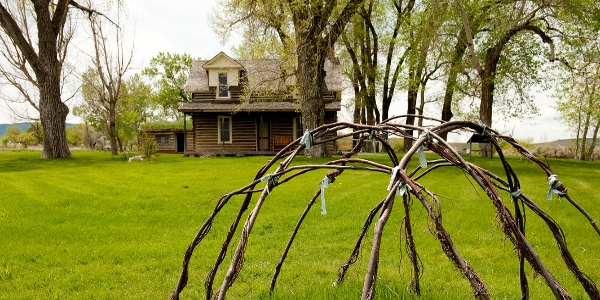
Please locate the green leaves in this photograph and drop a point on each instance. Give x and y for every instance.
(168, 73)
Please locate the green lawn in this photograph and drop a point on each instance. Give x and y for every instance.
(98, 227)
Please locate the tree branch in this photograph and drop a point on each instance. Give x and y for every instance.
(11, 28)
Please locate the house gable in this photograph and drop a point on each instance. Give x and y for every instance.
(222, 67)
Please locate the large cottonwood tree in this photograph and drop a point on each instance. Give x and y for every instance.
(46, 63)
(518, 38)
(311, 28)
(516, 24)
(44, 54)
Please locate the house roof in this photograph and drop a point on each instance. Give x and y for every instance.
(267, 106)
(263, 74)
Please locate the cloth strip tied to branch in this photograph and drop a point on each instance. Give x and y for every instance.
(324, 184)
(516, 194)
(307, 140)
(269, 178)
(554, 184)
(421, 151)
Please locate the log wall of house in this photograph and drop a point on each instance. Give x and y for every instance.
(204, 137)
(330, 117)
(166, 139)
(190, 139)
(282, 124)
(170, 146)
(206, 134)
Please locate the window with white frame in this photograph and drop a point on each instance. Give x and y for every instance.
(223, 88)
(224, 129)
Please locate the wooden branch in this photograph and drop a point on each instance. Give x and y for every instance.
(513, 227)
(15, 33)
(469, 36)
(90, 11)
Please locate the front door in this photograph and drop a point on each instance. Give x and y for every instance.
(263, 135)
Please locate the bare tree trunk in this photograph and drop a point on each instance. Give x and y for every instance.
(584, 134)
(357, 108)
(594, 140)
(459, 52)
(53, 115)
(47, 67)
(413, 91)
(112, 128)
(391, 78)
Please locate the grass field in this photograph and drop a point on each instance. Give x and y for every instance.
(98, 227)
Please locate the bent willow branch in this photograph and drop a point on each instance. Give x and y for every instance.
(403, 185)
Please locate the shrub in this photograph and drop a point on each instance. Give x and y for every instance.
(147, 145)
(5, 139)
(26, 139)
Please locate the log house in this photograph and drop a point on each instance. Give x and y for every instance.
(249, 107)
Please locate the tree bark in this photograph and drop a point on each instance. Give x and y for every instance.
(391, 78)
(112, 127)
(311, 79)
(53, 112)
(594, 140)
(316, 32)
(53, 116)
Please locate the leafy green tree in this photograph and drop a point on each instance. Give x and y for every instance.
(26, 139)
(516, 41)
(13, 132)
(133, 110)
(103, 82)
(579, 102)
(12, 135)
(37, 131)
(169, 73)
(16, 135)
(74, 135)
(376, 30)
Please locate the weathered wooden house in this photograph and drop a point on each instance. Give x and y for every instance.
(246, 107)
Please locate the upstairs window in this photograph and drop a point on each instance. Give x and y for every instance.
(223, 89)
(224, 129)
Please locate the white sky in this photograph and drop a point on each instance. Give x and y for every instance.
(179, 26)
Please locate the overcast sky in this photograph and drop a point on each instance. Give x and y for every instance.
(179, 26)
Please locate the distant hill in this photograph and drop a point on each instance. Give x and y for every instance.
(564, 143)
(3, 127)
(23, 127)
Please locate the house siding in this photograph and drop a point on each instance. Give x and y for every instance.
(171, 145)
(204, 137)
(232, 77)
(206, 129)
